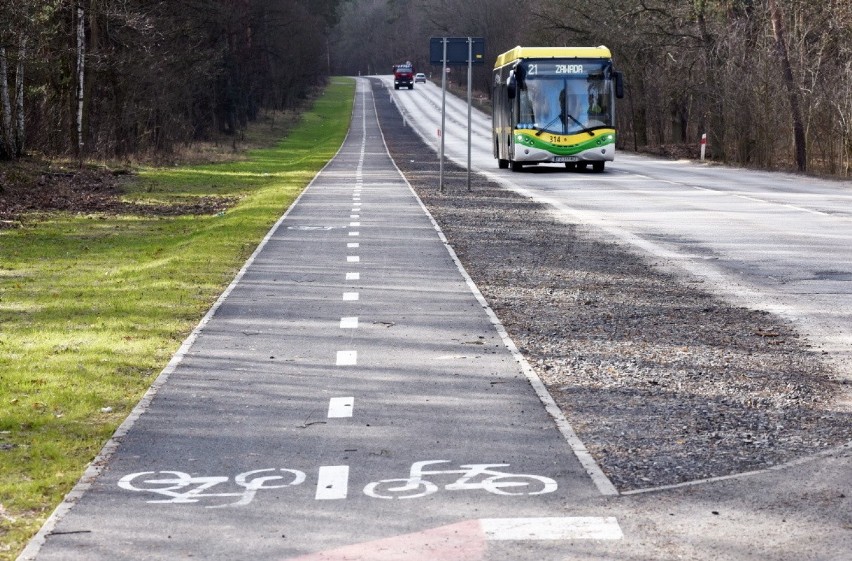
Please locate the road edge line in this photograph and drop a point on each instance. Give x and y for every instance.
(846, 447)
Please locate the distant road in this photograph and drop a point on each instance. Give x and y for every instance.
(773, 241)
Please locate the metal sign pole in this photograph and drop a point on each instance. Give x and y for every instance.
(469, 101)
(443, 117)
(448, 51)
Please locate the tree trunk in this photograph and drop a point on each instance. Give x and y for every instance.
(6, 107)
(19, 99)
(792, 89)
(81, 71)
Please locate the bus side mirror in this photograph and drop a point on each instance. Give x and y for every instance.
(619, 85)
(516, 80)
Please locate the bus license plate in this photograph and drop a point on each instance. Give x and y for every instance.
(566, 159)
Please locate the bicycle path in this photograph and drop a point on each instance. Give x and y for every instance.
(348, 398)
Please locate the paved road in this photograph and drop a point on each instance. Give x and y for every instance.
(348, 398)
(772, 241)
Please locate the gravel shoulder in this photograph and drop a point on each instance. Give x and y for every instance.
(663, 382)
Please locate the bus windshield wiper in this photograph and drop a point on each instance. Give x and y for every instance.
(570, 116)
(582, 126)
(547, 126)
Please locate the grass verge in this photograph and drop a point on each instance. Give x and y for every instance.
(92, 307)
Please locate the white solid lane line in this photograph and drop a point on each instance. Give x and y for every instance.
(566, 528)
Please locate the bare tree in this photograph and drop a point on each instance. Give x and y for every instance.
(6, 106)
(20, 122)
(791, 86)
(80, 74)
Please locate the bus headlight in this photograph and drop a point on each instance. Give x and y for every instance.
(525, 140)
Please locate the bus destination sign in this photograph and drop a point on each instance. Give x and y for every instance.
(562, 68)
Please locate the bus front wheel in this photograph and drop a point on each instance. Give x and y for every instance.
(516, 166)
(502, 164)
(598, 167)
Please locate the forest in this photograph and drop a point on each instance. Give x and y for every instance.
(768, 81)
(101, 79)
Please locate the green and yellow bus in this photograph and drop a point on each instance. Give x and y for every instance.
(555, 105)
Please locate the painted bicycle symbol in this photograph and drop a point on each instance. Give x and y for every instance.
(473, 477)
(181, 487)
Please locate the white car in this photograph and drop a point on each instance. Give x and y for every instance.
(419, 77)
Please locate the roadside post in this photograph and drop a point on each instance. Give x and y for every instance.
(456, 51)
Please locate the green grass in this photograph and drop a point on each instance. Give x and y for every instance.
(93, 307)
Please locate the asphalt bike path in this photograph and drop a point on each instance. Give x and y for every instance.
(349, 397)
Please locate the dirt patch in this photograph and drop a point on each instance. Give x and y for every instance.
(30, 187)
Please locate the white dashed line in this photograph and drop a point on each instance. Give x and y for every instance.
(332, 483)
(350, 296)
(353, 259)
(354, 233)
(349, 323)
(353, 245)
(347, 358)
(340, 407)
(354, 224)
(353, 276)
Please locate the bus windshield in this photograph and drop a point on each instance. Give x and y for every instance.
(565, 97)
